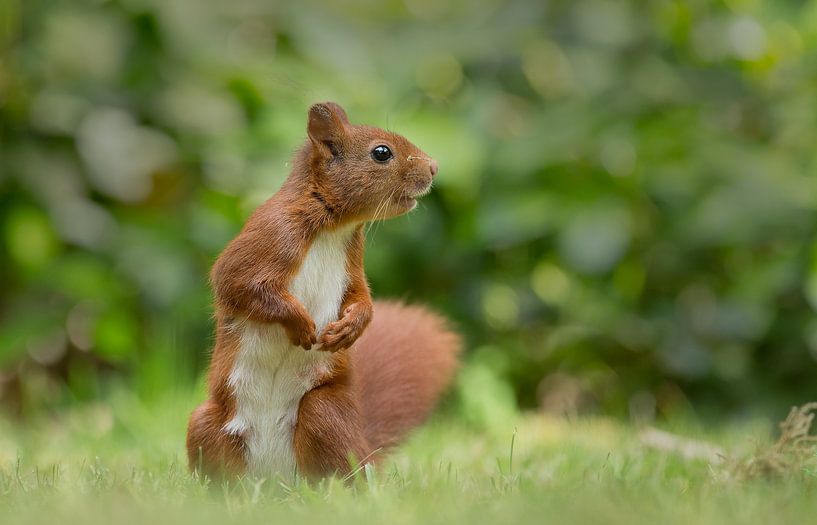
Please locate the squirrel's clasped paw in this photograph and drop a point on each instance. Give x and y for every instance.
(301, 331)
(341, 334)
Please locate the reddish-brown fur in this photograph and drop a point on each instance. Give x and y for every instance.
(209, 448)
(402, 363)
(384, 379)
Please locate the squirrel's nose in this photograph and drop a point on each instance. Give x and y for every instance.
(432, 165)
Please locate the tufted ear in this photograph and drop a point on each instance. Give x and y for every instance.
(327, 126)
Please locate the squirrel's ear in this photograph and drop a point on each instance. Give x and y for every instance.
(327, 125)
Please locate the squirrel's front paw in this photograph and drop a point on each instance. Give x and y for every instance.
(345, 331)
(301, 330)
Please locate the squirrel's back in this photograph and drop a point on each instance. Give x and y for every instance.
(402, 363)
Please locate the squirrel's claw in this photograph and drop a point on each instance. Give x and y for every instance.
(337, 336)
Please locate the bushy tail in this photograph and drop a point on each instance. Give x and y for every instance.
(402, 363)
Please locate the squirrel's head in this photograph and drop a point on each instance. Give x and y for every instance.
(361, 172)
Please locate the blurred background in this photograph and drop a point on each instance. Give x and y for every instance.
(624, 223)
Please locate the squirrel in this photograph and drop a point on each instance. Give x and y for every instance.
(308, 374)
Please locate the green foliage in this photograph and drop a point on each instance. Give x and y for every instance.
(625, 208)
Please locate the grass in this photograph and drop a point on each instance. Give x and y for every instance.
(122, 462)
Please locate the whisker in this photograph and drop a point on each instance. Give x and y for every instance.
(369, 222)
(374, 216)
(385, 209)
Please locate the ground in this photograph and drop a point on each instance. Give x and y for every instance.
(122, 462)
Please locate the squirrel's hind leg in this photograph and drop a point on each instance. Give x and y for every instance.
(329, 436)
(211, 450)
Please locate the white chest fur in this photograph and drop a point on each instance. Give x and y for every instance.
(270, 375)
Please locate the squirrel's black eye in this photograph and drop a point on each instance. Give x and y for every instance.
(381, 153)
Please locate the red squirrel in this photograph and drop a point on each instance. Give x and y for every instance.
(308, 374)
